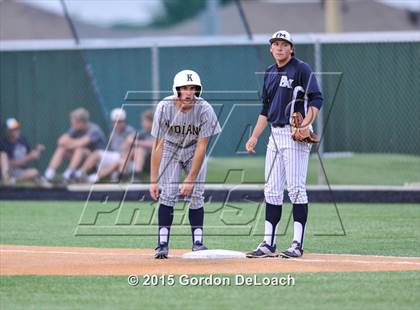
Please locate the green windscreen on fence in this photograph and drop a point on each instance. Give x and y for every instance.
(371, 90)
(377, 104)
(119, 71)
(40, 88)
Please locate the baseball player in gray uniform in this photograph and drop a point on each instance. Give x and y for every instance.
(182, 126)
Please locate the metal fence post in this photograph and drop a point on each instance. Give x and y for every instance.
(155, 73)
(319, 120)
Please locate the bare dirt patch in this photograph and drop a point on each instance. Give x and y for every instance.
(40, 260)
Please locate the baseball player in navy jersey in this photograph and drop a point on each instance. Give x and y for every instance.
(182, 126)
(289, 87)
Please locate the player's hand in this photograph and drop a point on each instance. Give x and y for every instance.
(40, 147)
(301, 134)
(34, 154)
(250, 145)
(63, 140)
(186, 188)
(154, 191)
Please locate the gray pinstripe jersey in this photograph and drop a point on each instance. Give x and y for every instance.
(184, 128)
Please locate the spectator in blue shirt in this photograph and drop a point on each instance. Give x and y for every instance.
(17, 154)
(83, 138)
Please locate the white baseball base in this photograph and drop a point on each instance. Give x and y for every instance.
(214, 254)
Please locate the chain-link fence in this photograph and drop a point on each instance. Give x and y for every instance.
(374, 97)
(371, 88)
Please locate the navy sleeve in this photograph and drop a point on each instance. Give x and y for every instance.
(96, 137)
(265, 99)
(311, 86)
(71, 132)
(6, 147)
(25, 142)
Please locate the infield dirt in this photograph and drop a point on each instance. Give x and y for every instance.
(40, 260)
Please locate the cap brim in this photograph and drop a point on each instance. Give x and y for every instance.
(280, 39)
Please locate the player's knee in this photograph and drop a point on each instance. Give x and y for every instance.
(297, 194)
(196, 205)
(167, 202)
(196, 202)
(28, 174)
(78, 150)
(166, 199)
(273, 197)
(274, 200)
(95, 155)
(33, 172)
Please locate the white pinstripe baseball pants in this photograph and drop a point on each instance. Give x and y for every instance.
(173, 160)
(286, 162)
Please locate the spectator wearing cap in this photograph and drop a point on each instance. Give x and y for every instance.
(107, 161)
(17, 154)
(82, 138)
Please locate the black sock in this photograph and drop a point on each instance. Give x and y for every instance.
(300, 216)
(165, 218)
(272, 216)
(196, 217)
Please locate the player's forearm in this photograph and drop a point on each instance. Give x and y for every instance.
(130, 140)
(259, 126)
(19, 162)
(199, 155)
(72, 143)
(155, 160)
(63, 140)
(144, 143)
(310, 116)
(80, 142)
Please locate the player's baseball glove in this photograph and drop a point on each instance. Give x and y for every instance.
(300, 134)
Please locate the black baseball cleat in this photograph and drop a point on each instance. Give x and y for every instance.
(263, 250)
(294, 251)
(162, 251)
(198, 246)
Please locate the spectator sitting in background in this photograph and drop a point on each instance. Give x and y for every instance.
(139, 148)
(4, 164)
(75, 145)
(108, 160)
(4, 167)
(16, 154)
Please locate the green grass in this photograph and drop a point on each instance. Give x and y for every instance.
(382, 229)
(387, 229)
(382, 291)
(359, 169)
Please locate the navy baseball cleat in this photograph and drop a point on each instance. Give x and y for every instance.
(198, 246)
(162, 251)
(294, 251)
(263, 250)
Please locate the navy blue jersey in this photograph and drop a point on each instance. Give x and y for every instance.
(291, 88)
(15, 150)
(144, 135)
(95, 133)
